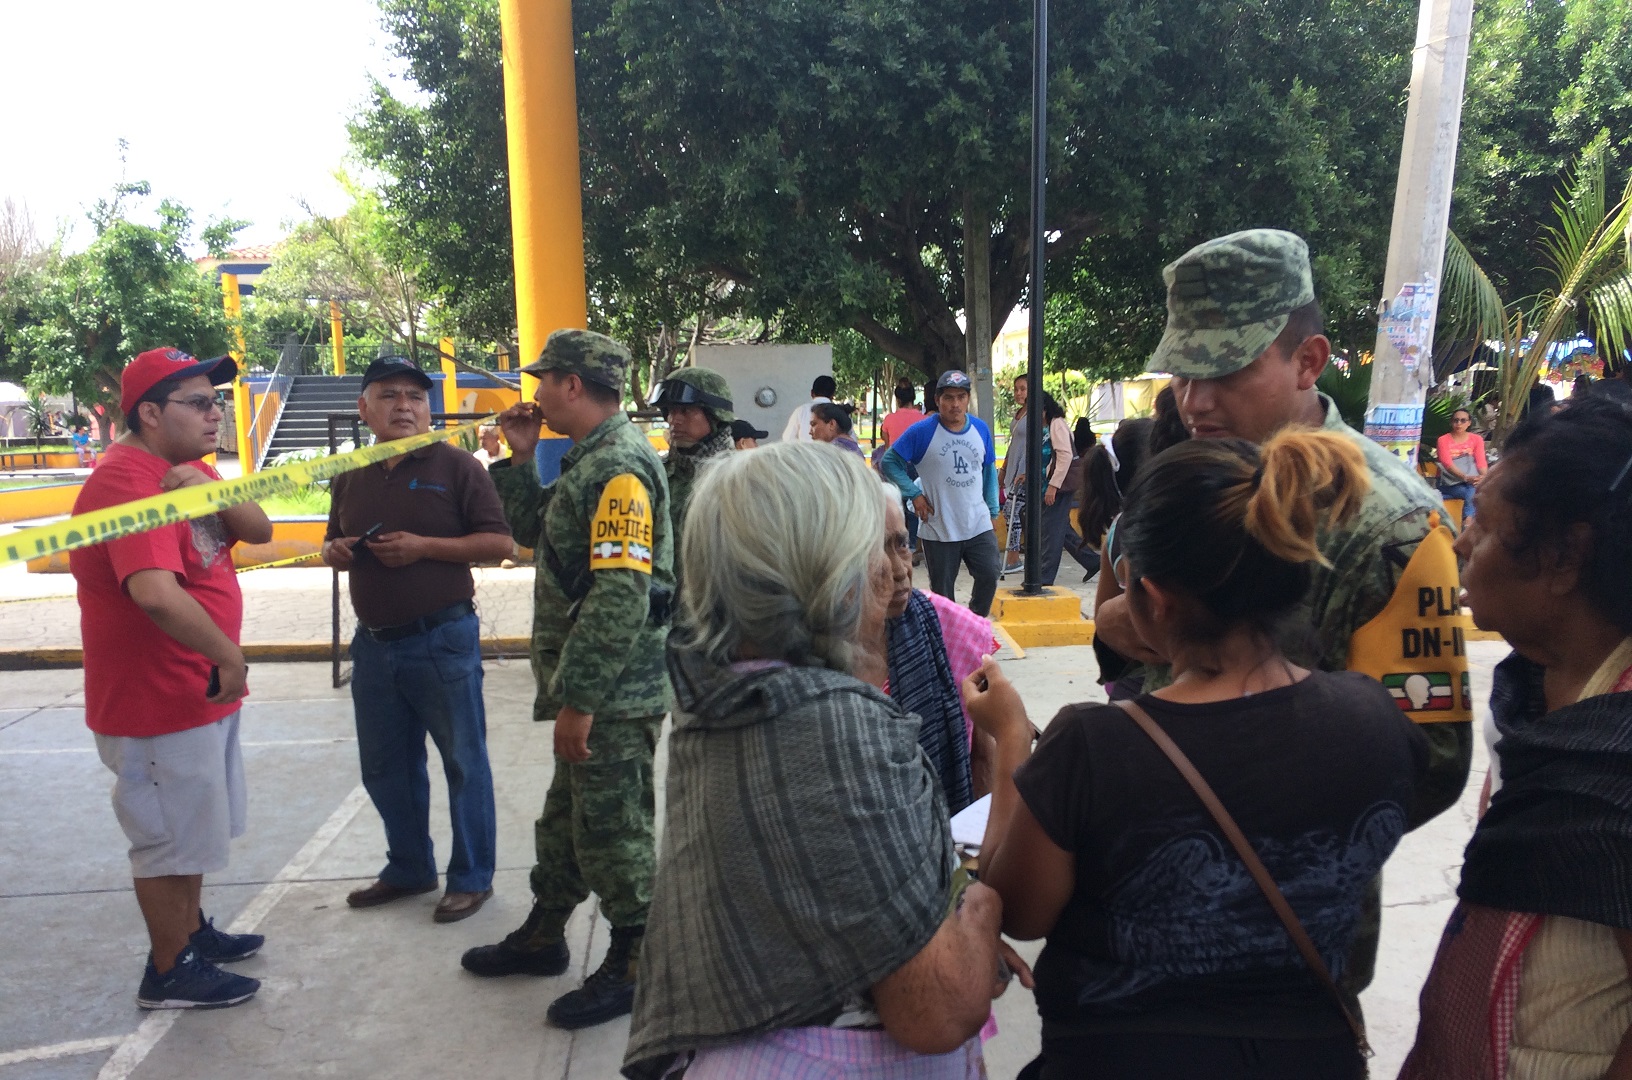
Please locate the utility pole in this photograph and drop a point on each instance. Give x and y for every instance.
(1403, 365)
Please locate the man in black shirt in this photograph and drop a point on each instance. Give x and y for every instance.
(407, 530)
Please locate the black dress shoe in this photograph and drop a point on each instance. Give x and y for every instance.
(382, 893)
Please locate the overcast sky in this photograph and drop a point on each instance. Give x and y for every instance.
(236, 108)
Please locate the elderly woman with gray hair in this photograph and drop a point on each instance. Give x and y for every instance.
(806, 918)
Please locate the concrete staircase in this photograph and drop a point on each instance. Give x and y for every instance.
(305, 421)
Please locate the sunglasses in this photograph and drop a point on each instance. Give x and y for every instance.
(200, 404)
(1461, 420)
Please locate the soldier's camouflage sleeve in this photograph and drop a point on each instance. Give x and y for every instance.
(1358, 588)
(611, 622)
(596, 652)
(524, 499)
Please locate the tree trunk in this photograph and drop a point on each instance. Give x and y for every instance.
(977, 305)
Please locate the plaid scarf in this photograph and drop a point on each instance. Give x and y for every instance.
(921, 682)
(684, 460)
(807, 853)
(1557, 839)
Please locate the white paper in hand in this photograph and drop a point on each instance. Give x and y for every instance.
(969, 824)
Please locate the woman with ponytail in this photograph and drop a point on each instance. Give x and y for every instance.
(1163, 957)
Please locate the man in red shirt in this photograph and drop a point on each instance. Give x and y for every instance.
(164, 706)
(906, 414)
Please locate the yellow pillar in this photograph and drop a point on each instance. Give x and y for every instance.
(546, 196)
(233, 304)
(504, 358)
(240, 423)
(337, 337)
(450, 376)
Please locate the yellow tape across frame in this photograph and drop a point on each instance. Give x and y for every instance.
(202, 500)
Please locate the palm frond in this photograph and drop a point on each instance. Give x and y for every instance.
(1609, 310)
(1469, 298)
(1580, 206)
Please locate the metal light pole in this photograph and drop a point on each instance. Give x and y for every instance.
(1039, 250)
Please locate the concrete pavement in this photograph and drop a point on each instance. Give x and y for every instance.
(380, 993)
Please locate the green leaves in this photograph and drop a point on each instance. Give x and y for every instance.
(444, 160)
(133, 289)
(1588, 285)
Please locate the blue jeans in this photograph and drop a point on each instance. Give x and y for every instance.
(427, 684)
(1462, 491)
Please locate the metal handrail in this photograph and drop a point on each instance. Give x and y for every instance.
(282, 380)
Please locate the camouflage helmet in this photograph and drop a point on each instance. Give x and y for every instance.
(697, 386)
(592, 357)
(1228, 299)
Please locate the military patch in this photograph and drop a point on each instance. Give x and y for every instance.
(1421, 691)
(1417, 645)
(620, 534)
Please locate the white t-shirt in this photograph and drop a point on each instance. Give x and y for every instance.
(952, 469)
(798, 429)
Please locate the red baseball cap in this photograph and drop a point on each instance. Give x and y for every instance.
(155, 365)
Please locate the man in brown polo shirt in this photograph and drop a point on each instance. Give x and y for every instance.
(407, 530)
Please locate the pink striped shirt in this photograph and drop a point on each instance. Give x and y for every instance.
(814, 1053)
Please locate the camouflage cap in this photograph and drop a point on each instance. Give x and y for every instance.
(590, 356)
(698, 386)
(1228, 299)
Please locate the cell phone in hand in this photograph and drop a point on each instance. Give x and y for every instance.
(215, 682)
(359, 546)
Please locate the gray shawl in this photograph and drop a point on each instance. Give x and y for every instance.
(806, 855)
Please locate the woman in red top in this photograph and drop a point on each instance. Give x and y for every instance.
(1461, 461)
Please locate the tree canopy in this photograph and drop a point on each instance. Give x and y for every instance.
(806, 165)
(820, 154)
(134, 288)
(817, 157)
(1545, 77)
(444, 159)
(357, 259)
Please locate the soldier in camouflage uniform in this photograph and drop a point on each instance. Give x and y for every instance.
(697, 404)
(1244, 346)
(601, 598)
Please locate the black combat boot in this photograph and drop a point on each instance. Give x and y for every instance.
(538, 948)
(610, 991)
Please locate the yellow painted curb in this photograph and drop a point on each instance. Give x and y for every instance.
(15, 460)
(46, 500)
(1053, 617)
(294, 652)
(1008, 641)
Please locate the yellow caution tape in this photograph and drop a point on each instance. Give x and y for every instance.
(281, 562)
(202, 500)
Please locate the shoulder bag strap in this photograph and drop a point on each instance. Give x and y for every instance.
(1255, 865)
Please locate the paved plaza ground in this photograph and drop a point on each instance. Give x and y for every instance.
(380, 993)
